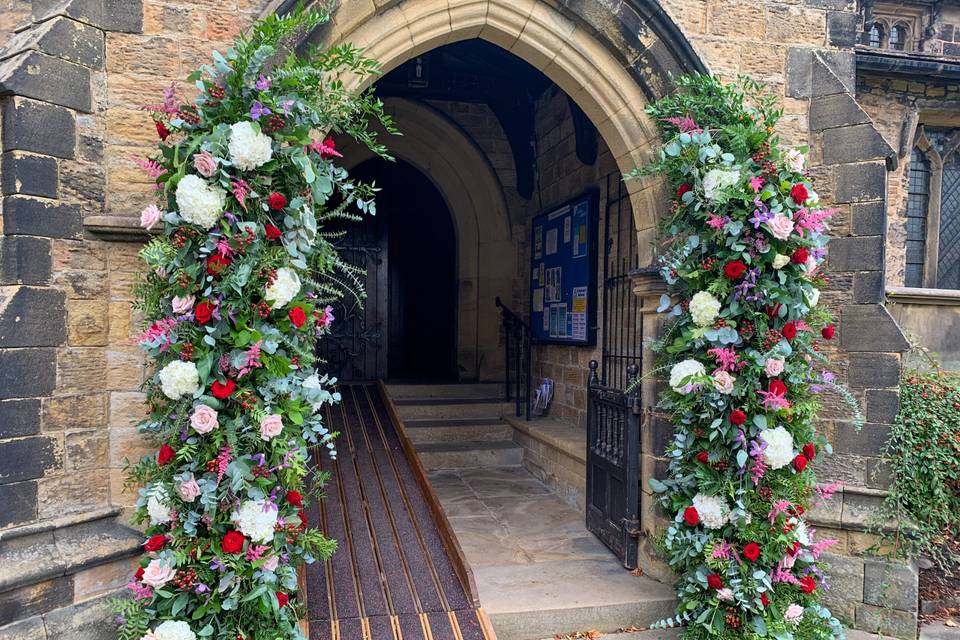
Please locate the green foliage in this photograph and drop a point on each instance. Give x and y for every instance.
(919, 517)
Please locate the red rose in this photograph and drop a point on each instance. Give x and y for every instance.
(764, 600)
(714, 581)
(810, 450)
(734, 269)
(282, 598)
(799, 194)
(297, 317)
(162, 130)
(772, 311)
(738, 417)
(808, 584)
(139, 574)
(294, 498)
(800, 462)
(691, 516)
(682, 189)
(223, 391)
(165, 455)
(155, 543)
(276, 201)
(800, 256)
(828, 331)
(232, 542)
(273, 233)
(703, 457)
(217, 264)
(203, 312)
(752, 551)
(777, 388)
(789, 331)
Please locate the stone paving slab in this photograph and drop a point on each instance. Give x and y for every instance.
(940, 631)
(674, 634)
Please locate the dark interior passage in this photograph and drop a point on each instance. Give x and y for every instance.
(417, 276)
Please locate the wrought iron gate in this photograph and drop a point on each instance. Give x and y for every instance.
(613, 464)
(356, 348)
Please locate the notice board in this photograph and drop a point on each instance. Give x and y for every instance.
(563, 273)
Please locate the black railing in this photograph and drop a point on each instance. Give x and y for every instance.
(518, 348)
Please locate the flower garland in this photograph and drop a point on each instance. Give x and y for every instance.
(744, 242)
(234, 299)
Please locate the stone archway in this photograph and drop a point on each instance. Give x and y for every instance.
(610, 64)
(464, 177)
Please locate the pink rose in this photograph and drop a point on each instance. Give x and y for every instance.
(149, 635)
(773, 367)
(157, 573)
(204, 163)
(149, 217)
(793, 613)
(781, 226)
(271, 426)
(204, 419)
(271, 563)
(182, 304)
(189, 489)
(723, 381)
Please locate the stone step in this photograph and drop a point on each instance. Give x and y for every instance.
(447, 400)
(453, 411)
(429, 391)
(547, 599)
(467, 455)
(466, 431)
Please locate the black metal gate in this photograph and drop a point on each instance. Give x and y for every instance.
(613, 464)
(356, 348)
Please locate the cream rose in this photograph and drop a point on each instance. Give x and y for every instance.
(780, 261)
(723, 381)
(773, 367)
(182, 304)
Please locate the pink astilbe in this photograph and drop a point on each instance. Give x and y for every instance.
(169, 105)
(782, 575)
(140, 591)
(727, 358)
(717, 222)
(255, 552)
(773, 401)
(686, 124)
(240, 191)
(817, 548)
(825, 492)
(159, 335)
(224, 248)
(251, 359)
(222, 462)
(756, 183)
(722, 550)
(780, 506)
(151, 167)
(325, 150)
(811, 219)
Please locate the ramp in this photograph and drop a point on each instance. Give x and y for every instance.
(399, 573)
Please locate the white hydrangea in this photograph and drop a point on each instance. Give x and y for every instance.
(717, 180)
(284, 288)
(179, 379)
(174, 630)
(255, 521)
(248, 148)
(779, 451)
(200, 202)
(683, 370)
(780, 261)
(704, 308)
(794, 160)
(158, 505)
(714, 512)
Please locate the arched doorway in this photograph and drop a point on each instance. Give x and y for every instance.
(418, 272)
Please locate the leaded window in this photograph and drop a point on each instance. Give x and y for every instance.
(933, 210)
(876, 35)
(898, 37)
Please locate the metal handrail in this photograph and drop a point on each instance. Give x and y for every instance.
(518, 348)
